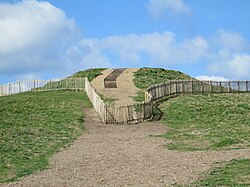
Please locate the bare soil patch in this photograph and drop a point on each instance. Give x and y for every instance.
(125, 87)
(124, 155)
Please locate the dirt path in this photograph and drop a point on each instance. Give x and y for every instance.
(124, 155)
(125, 87)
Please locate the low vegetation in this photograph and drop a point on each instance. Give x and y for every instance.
(140, 97)
(70, 84)
(36, 125)
(146, 77)
(234, 173)
(108, 100)
(90, 73)
(208, 122)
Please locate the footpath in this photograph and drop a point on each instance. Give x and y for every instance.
(123, 155)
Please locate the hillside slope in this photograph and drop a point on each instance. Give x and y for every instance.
(90, 73)
(34, 126)
(146, 77)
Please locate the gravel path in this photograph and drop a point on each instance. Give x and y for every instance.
(124, 155)
(125, 87)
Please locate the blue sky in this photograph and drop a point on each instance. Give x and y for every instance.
(209, 39)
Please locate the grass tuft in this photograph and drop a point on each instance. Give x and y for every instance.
(140, 97)
(108, 100)
(234, 173)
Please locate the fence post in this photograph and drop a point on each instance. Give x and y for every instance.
(19, 87)
(176, 90)
(192, 86)
(238, 86)
(211, 87)
(170, 88)
(106, 114)
(229, 89)
(182, 85)
(66, 83)
(202, 89)
(9, 90)
(247, 86)
(34, 85)
(126, 114)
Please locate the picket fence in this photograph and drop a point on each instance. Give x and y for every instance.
(143, 111)
(42, 85)
(96, 101)
(115, 115)
(131, 113)
(182, 87)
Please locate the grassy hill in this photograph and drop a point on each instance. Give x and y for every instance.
(36, 125)
(146, 77)
(211, 122)
(204, 122)
(90, 73)
(64, 83)
(234, 173)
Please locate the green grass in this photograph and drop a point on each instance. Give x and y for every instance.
(62, 84)
(34, 126)
(107, 100)
(90, 73)
(146, 77)
(208, 122)
(235, 173)
(140, 97)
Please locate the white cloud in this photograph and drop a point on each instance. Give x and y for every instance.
(224, 54)
(229, 55)
(34, 36)
(211, 78)
(159, 48)
(157, 8)
(37, 38)
(87, 54)
(238, 67)
(230, 41)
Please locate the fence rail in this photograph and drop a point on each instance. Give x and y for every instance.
(132, 113)
(190, 86)
(42, 85)
(96, 101)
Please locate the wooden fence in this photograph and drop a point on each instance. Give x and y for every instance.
(121, 114)
(42, 85)
(96, 101)
(132, 113)
(143, 111)
(170, 88)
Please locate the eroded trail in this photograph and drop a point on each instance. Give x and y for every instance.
(125, 87)
(123, 155)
